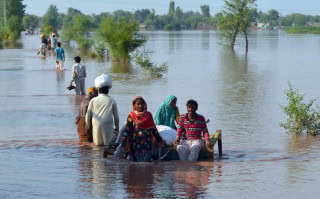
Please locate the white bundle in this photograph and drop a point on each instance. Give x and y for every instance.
(167, 133)
(102, 81)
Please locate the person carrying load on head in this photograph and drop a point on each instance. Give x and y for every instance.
(85, 135)
(102, 113)
(54, 41)
(138, 132)
(168, 113)
(190, 127)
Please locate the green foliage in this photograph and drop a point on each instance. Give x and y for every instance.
(13, 8)
(30, 21)
(99, 46)
(303, 119)
(47, 30)
(205, 10)
(12, 30)
(143, 59)
(235, 19)
(122, 37)
(303, 29)
(51, 17)
(79, 31)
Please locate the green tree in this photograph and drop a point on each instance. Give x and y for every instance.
(141, 15)
(12, 30)
(30, 21)
(273, 17)
(171, 9)
(234, 20)
(51, 17)
(122, 37)
(302, 117)
(13, 8)
(205, 10)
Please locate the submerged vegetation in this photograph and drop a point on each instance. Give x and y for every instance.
(303, 29)
(303, 119)
(122, 37)
(143, 59)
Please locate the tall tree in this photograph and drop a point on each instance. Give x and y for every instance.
(30, 21)
(235, 19)
(13, 8)
(205, 10)
(171, 9)
(51, 17)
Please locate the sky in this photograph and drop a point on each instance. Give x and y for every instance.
(39, 7)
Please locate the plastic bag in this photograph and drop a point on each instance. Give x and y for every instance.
(167, 133)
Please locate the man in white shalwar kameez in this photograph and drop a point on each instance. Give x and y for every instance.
(102, 113)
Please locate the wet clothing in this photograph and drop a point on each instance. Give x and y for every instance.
(189, 149)
(78, 76)
(192, 130)
(60, 53)
(54, 42)
(43, 49)
(84, 134)
(166, 115)
(103, 115)
(138, 133)
(189, 135)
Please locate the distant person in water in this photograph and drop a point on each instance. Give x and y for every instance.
(54, 41)
(85, 135)
(168, 113)
(102, 113)
(78, 76)
(190, 127)
(139, 132)
(60, 57)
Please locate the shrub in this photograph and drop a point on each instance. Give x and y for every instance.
(143, 59)
(12, 30)
(122, 37)
(303, 119)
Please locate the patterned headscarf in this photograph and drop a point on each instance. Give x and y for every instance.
(165, 115)
(142, 119)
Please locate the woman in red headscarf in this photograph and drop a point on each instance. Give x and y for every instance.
(138, 132)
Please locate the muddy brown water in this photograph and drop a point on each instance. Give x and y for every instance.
(41, 158)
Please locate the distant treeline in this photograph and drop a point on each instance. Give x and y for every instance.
(175, 19)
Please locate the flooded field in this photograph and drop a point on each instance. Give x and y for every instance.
(241, 94)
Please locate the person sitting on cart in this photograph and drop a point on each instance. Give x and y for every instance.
(190, 127)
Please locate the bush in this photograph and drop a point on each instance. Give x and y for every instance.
(12, 30)
(143, 59)
(47, 30)
(122, 37)
(303, 119)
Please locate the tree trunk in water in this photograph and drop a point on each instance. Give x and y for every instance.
(247, 42)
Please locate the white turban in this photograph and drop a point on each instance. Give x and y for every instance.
(102, 81)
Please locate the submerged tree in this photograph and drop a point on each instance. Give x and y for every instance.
(235, 19)
(122, 37)
(303, 119)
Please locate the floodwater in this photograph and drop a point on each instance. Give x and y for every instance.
(241, 94)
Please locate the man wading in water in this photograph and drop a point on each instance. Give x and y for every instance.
(78, 76)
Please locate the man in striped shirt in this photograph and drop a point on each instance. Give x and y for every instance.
(190, 127)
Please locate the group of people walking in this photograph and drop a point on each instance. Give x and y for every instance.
(98, 120)
(51, 43)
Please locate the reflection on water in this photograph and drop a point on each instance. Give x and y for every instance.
(122, 67)
(239, 93)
